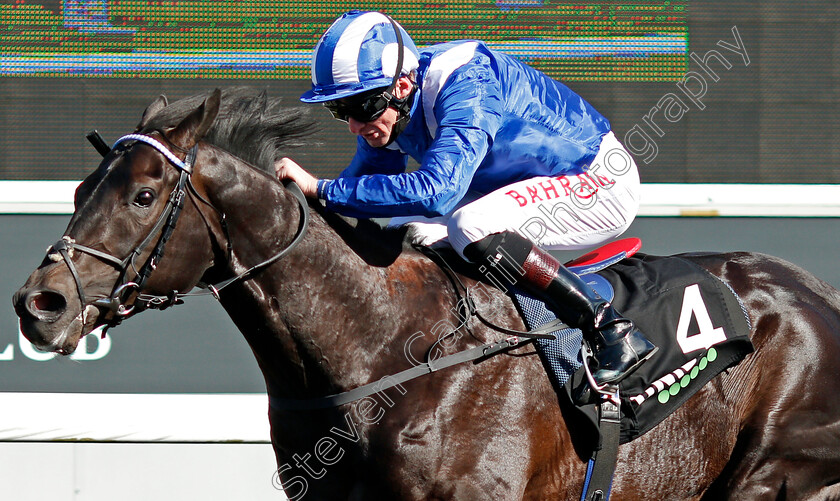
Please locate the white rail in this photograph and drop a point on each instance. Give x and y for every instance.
(122, 417)
(747, 200)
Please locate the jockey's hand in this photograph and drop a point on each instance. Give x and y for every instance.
(286, 168)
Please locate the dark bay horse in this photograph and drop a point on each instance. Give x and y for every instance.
(350, 304)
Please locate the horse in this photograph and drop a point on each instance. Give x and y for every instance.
(344, 303)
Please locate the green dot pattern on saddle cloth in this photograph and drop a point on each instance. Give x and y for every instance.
(678, 384)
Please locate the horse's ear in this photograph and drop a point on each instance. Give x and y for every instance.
(196, 124)
(158, 104)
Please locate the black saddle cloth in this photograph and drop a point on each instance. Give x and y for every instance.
(696, 320)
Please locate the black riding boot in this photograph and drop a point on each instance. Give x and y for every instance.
(618, 345)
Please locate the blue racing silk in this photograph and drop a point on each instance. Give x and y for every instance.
(480, 120)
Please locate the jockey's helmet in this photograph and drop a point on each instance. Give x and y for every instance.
(359, 53)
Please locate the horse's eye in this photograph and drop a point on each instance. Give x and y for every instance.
(144, 198)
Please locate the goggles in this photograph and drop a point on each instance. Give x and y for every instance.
(365, 109)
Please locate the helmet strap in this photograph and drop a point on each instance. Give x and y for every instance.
(400, 48)
(403, 107)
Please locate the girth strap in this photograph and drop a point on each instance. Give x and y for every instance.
(472, 354)
(601, 468)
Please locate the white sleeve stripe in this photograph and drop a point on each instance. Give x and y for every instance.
(439, 71)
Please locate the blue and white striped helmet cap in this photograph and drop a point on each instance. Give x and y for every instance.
(356, 54)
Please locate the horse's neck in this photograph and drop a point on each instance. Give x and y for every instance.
(308, 317)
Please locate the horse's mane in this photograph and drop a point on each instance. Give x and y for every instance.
(259, 130)
(250, 124)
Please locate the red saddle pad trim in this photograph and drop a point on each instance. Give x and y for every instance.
(628, 246)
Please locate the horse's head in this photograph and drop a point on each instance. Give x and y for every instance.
(124, 214)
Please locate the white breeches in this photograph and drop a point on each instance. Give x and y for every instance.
(563, 212)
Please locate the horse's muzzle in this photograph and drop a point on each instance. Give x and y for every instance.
(45, 320)
(42, 305)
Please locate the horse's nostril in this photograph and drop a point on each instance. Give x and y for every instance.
(44, 303)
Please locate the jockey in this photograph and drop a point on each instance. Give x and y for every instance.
(511, 162)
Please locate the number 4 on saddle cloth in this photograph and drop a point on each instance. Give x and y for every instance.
(697, 321)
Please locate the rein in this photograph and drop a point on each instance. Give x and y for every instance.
(115, 305)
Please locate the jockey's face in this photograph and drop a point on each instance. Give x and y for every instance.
(377, 132)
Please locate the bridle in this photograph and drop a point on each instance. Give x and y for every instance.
(119, 306)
